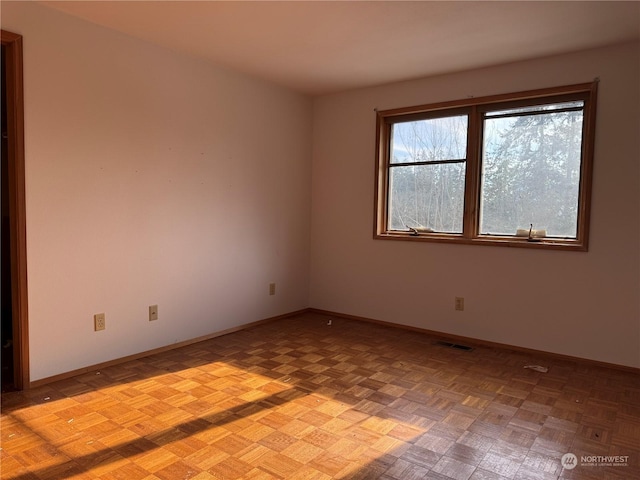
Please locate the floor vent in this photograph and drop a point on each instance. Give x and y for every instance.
(453, 345)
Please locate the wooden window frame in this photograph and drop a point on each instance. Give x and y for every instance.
(476, 107)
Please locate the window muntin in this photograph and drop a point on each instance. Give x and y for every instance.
(486, 170)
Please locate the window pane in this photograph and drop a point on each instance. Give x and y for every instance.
(434, 139)
(427, 196)
(537, 108)
(531, 173)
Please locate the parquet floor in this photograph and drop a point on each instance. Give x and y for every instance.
(300, 399)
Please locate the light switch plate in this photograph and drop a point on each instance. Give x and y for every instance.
(153, 312)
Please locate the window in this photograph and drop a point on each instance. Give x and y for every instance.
(510, 170)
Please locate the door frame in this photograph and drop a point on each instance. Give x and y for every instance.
(17, 206)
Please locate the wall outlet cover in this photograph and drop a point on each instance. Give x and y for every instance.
(99, 322)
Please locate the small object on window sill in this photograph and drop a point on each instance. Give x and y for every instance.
(537, 368)
(419, 230)
(531, 234)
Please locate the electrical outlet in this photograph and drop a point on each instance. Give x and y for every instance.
(99, 322)
(153, 312)
(459, 303)
(272, 289)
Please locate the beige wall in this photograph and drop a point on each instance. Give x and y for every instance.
(580, 304)
(153, 178)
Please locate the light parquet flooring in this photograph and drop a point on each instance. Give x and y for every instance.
(300, 399)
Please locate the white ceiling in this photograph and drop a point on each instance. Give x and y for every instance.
(327, 46)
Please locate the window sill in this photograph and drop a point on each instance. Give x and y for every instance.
(495, 241)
